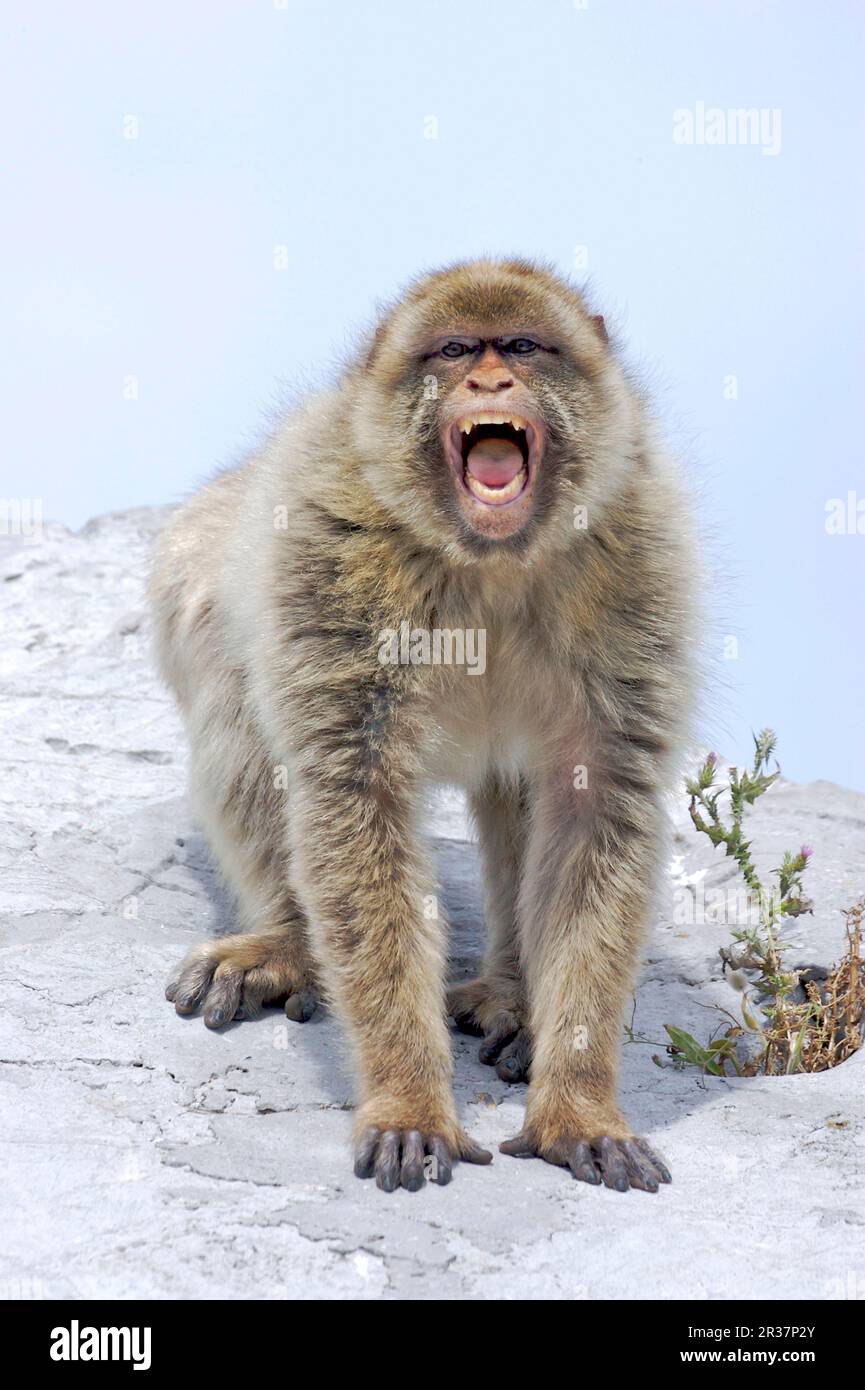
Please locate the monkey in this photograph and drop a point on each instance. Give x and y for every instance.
(484, 464)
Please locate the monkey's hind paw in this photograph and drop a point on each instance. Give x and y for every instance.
(618, 1163)
(407, 1158)
(482, 1010)
(234, 977)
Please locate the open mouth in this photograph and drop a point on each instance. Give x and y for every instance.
(495, 454)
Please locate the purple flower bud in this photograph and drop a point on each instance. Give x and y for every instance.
(711, 759)
(806, 851)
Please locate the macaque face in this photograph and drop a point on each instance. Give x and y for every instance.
(481, 405)
(491, 429)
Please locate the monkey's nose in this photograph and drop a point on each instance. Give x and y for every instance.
(489, 381)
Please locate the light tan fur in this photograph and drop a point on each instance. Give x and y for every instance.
(311, 758)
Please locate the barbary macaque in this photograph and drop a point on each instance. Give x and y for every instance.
(484, 466)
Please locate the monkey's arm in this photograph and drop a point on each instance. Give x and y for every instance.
(586, 893)
(369, 896)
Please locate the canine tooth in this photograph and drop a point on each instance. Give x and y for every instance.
(470, 422)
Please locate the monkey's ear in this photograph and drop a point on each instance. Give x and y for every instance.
(373, 347)
(598, 321)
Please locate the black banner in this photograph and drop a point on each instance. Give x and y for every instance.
(222, 1338)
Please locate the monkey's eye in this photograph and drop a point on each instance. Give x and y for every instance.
(455, 349)
(522, 346)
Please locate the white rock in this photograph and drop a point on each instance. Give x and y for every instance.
(145, 1157)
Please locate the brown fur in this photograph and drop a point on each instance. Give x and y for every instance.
(269, 634)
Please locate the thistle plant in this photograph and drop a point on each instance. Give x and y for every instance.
(792, 1021)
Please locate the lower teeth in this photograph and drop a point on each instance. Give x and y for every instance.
(496, 494)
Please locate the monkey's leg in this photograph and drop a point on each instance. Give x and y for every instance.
(232, 977)
(586, 891)
(243, 815)
(493, 1006)
(363, 881)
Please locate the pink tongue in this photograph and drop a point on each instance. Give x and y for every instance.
(494, 462)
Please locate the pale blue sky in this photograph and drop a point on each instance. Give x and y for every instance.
(303, 126)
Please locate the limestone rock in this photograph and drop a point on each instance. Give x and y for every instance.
(145, 1157)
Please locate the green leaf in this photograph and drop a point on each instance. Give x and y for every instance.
(690, 1049)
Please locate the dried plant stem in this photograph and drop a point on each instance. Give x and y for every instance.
(794, 1034)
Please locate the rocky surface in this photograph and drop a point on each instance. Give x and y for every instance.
(145, 1157)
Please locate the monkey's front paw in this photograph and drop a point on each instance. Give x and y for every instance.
(485, 1009)
(234, 977)
(407, 1158)
(618, 1163)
